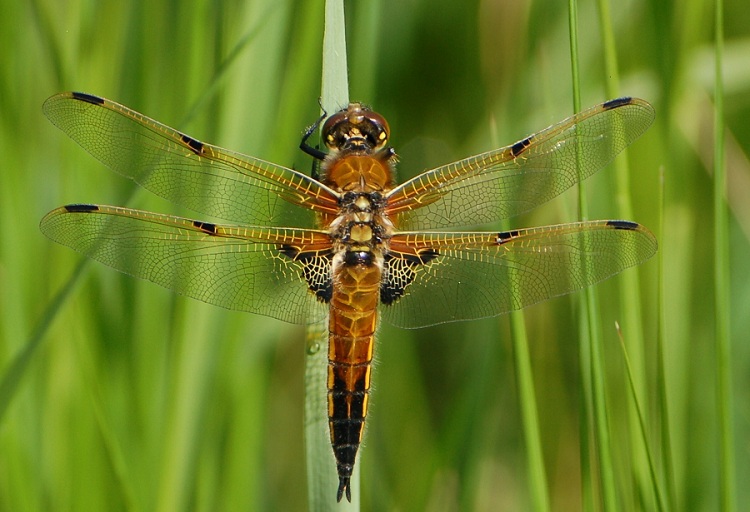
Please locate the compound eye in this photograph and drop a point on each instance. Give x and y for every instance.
(331, 125)
(381, 130)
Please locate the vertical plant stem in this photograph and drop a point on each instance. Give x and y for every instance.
(322, 479)
(721, 276)
(12, 376)
(528, 403)
(534, 455)
(584, 351)
(661, 378)
(335, 83)
(641, 423)
(630, 297)
(590, 312)
(601, 422)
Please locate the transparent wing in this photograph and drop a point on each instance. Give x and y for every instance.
(175, 166)
(511, 180)
(477, 275)
(240, 268)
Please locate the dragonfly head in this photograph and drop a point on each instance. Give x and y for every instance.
(356, 128)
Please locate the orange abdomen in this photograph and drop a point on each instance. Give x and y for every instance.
(351, 334)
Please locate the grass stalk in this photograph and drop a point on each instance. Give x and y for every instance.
(12, 377)
(322, 479)
(661, 375)
(661, 506)
(590, 339)
(535, 469)
(527, 397)
(630, 297)
(721, 278)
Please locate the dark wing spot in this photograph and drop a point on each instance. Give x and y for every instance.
(427, 255)
(195, 145)
(289, 251)
(81, 208)
(623, 224)
(518, 148)
(88, 98)
(422, 257)
(617, 102)
(506, 235)
(205, 226)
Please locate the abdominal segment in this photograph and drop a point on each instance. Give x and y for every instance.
(352, 322)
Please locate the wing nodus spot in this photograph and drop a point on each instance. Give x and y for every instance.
(206, 227)
(289, 251)
(195, 145)
(519, 147)
(506, 235)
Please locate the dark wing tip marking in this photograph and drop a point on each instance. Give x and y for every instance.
(195, 145)
(206, 227)
(88, 98)
(518, 148)
(617, 102)
(81, 208)
(623, 224)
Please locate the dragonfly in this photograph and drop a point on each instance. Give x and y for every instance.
(347, 241)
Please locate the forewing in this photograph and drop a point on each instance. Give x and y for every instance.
(511, 180)
(477, 275)
(239, 268)
(175, 166)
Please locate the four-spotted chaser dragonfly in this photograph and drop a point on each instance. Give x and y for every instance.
(350, 242)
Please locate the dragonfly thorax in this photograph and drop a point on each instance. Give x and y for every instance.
(361, 224)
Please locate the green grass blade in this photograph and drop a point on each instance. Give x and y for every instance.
(322, 480)
(721, 277)
(13, 376)
(661, 374)
(587, 397)
(601, 421)
(629, 282)
(538, 486)
(641, 422)
(590, 314)
(335, 84)
(527, 398)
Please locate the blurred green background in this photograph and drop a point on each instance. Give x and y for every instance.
(136, 399)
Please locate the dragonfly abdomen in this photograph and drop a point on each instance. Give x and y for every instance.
(352, 322)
